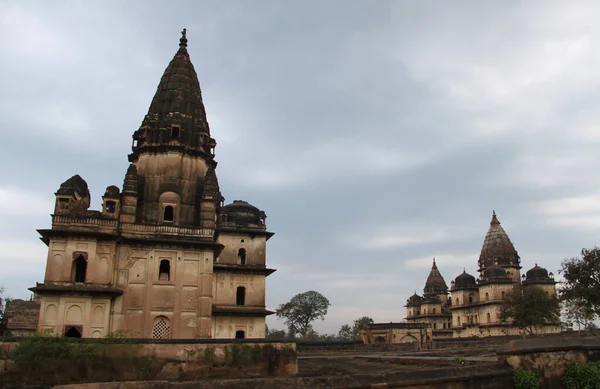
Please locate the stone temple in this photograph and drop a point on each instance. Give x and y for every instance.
(164, 257)
(471, 306)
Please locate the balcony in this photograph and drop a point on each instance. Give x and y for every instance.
(152, 230)
(87, 223)
(95, 223)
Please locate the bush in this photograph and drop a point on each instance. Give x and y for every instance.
(49, 358)
(582, 376)
(524, 379)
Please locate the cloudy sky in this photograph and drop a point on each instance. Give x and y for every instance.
(375, 134)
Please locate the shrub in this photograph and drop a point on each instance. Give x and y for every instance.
(582, 376)
(524, 379)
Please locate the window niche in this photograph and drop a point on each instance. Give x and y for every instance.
(169, 214)
(79, 267)
(242, 256)
(175, 130)
(240, 296)
(240, 334)
(164, 270)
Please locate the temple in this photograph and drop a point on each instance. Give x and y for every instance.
(164, 257)
(472, 306)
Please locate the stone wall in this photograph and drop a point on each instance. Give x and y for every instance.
(321, 347)
(91, 360)
(22, 316)
(457, 343)
(549, 357)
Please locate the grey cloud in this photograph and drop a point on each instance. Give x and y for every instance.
(492, 105)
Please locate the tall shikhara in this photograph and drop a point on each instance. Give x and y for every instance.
(164, 258)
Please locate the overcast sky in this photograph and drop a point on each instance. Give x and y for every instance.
(374, 134)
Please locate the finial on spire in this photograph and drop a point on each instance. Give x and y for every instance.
(183, 41)
(495, 220)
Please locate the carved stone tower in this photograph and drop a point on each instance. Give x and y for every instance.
(146, 263)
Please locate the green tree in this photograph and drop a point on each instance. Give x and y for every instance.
(276, 335)
(581, 281)
(359, 323)
(578, 313)
(302, 310)
(345, 332)
(530, 309)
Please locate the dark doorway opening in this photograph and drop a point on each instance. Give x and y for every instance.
(169, 214)
(73, 332)
(240, 296)
(164, 270)
(240, 334)
(80, 269)
(242, 256)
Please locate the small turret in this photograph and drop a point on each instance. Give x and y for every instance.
(111, 202)
(72, 196)
(129, 196)
(211, 199)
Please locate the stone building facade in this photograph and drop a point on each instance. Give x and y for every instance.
(164, 257)
(394, 333)
(474, 305)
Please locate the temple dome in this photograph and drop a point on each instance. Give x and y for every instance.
(242, 214)
(538, 274)
(414, 300)
(112, 192)
(435, 283)
(495, 274)
(497, 249)
(464, 281)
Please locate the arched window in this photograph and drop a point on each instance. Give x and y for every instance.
(458, 321)
(434, 326)
(470, 299)
(489, 318)
(169, 214)
(162, 328)
(502, 295)
(164, 270)
(457, 302)
(434, 310)
(487, 296)
(111, 206)
(240, 296)
(79, 269)
(242, 256)
(240, 334)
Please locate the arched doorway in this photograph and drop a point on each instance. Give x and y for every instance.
(73, 332)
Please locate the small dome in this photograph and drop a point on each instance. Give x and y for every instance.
(415, 299)
(112, 192)
(242, 214)
(538, 274)
(494, 273)
(465, 281)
